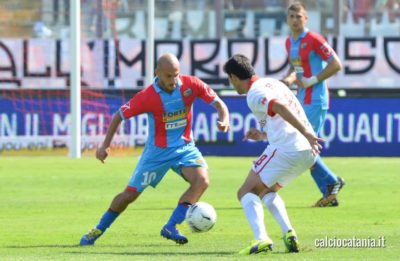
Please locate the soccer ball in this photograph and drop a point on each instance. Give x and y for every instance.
(201, 217)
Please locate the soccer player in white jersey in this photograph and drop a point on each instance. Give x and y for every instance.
(292, 149)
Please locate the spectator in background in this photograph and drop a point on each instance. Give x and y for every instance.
(232, 4)
(360, 9)
(41, 30)
(61, 12)
(277, 10)
(88, 18)
(110, 10)
(195, 4)
(390, 6)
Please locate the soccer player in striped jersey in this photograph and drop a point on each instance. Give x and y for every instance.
(292, 148)
(312, 61)
(168, 104)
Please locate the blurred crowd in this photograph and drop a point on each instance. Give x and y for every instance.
(189, 18)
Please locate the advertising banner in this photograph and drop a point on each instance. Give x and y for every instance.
(354, 126)
(368, 62)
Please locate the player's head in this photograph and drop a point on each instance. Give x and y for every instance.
(297, 17)
(239, 69)
(168, 70)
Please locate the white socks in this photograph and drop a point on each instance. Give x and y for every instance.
(277, 208)
(255, 215)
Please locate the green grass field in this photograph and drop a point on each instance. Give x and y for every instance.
(47, 203)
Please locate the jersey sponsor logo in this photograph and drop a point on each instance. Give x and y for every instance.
(175, 124)
(175, 115)
(298, 69)
(187, 92)
(296, 61)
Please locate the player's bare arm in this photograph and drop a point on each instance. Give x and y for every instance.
(290, 76)
(332, 68)
(288, 115)
(334, 65)
(102, 151)
(223, 115)
(255, 134)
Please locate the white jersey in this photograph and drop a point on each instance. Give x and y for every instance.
(280, 133)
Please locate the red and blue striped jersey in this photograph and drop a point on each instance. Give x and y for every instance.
(169, 114)
(309, 55)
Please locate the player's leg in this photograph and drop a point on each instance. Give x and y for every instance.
(254, 212)
(277, 208)
(197, 177)
(316, 116)
(118, 205)
(281, 169)
(191, 166)
(333, 183)
(248, 195)
(198, 180)
(326, 180)
(146, 173)
(332, 187)
(274, 176)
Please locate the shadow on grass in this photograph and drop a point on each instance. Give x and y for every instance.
(224, 208)
(142, 253)
(217, 208)
(76, 246)
(217, 253)
(171, 208)
(43, 246)
(189, 253)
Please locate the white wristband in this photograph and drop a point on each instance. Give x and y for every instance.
(307, 82)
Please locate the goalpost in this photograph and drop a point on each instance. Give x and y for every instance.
(75, 83)
(75, 58)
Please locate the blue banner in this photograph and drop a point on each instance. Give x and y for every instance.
(363, 127)
(354, 126)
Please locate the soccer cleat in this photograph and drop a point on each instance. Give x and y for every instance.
(291, 242)
(331, 200)
(257, 246)
(173, 234)
(335, 188)
(90, 237)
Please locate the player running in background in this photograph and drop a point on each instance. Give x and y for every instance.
(168, 104)
(313, 61)
(292, 148)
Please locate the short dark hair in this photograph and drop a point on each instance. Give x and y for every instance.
(240, 66)
(297, 6)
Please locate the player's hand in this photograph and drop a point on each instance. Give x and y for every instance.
(254, 134)
(305, 82)
(314, 142)
(223, 126)
(102, 153)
